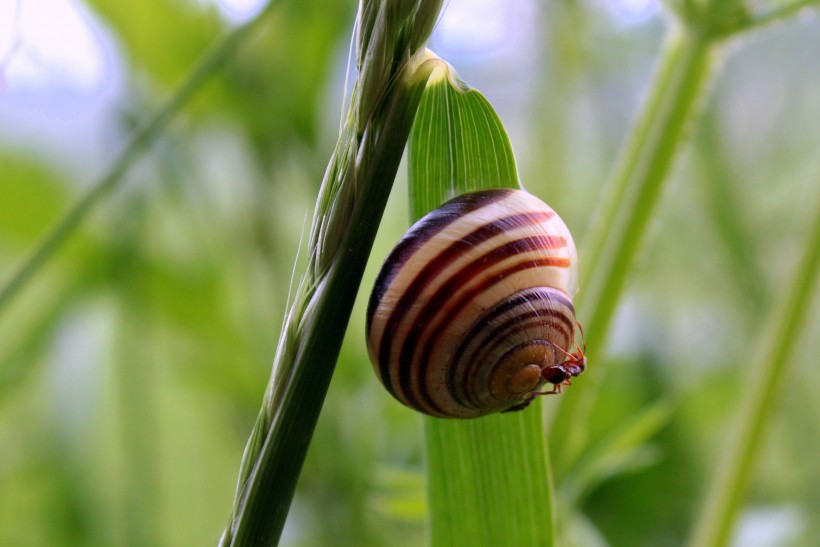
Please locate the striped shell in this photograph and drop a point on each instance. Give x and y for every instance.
(467, 306)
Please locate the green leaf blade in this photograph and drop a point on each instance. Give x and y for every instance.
(458, 145)
(488, 478)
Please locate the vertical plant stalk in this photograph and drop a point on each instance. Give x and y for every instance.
(51, 242)
(686, 65)
(772, 363)
(392, 74)
(479, 460)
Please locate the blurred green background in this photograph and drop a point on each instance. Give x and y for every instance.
(133, 366)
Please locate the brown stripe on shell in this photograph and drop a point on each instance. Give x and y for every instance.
(435, 305)
(468, 373)
(433, 268)
(477, 373)
(424, 230)
(545, 316)
(426, 319)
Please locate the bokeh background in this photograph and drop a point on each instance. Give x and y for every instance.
(133, 366)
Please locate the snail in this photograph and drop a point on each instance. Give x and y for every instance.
(471, 312)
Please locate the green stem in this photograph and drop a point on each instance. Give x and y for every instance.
(139, 141)
(469, 467)
(630, 199)
(778, 14)
(266, 498)
(393, 71)
(772, 364)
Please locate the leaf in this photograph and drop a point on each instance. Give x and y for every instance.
(488, 478)
(458, 144)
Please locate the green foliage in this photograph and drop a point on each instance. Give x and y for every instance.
(475, 467)
(458, 145)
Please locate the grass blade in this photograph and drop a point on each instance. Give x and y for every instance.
(630, 199)
(488, 478)
(772, 363)
(458, 144)
(489, 481)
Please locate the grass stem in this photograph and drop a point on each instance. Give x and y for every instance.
(392, 75)
(779, 13)
(771, 365)
(629, 202)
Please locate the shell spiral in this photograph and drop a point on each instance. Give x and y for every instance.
(470, 304)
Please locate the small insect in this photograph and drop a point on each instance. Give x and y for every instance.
(559, 375)
(472, 311)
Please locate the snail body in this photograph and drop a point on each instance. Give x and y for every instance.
(472, 311)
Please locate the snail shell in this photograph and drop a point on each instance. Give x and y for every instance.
(470, 304)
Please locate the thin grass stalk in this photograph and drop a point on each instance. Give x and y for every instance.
(139, 141)
(392, 74)
(686, 65)
(780, 13)
(772, 363)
